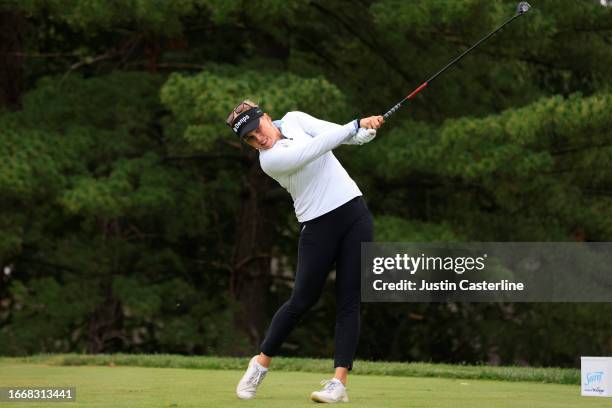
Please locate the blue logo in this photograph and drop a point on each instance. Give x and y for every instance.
(594, 377)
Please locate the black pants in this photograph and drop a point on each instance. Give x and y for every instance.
(333, 237)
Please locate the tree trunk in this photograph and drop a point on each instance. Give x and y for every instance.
(105, 334)
(12, 29)
(251, 260)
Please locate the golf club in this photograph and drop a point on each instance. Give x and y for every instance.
(522, 8)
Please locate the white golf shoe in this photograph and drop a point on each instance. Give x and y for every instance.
(255, 373)
(333, 391)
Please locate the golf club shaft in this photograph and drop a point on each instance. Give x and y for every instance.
(434, 76)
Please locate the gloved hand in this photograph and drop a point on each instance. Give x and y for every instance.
(362, 136)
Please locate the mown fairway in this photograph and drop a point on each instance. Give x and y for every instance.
(122, 386)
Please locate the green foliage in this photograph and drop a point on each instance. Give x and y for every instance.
(31, 167)
(112, 213)
(52, 315)
(201, 103)
(539, 162)
(231, 11)
(156, 16)
(395, 229)
(121, 186)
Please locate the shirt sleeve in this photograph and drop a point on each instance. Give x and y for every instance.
(313, 126)
(285, 158)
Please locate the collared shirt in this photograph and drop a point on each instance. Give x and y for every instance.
(302, 162)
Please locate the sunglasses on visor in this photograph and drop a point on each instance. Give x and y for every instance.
(237, 111)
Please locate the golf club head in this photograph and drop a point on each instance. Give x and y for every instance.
(523, 7)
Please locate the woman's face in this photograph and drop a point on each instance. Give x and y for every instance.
(265, 135)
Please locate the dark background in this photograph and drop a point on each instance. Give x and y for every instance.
(133, 220)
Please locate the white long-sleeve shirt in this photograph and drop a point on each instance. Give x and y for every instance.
(302, 162)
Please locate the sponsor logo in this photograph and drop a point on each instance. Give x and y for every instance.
(241, 122)
(594, 377)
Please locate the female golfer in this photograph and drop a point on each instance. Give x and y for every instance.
(334, 220)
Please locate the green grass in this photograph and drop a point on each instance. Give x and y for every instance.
(471, 372)
(134, 387)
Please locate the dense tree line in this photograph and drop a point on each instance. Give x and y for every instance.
(133, 220)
